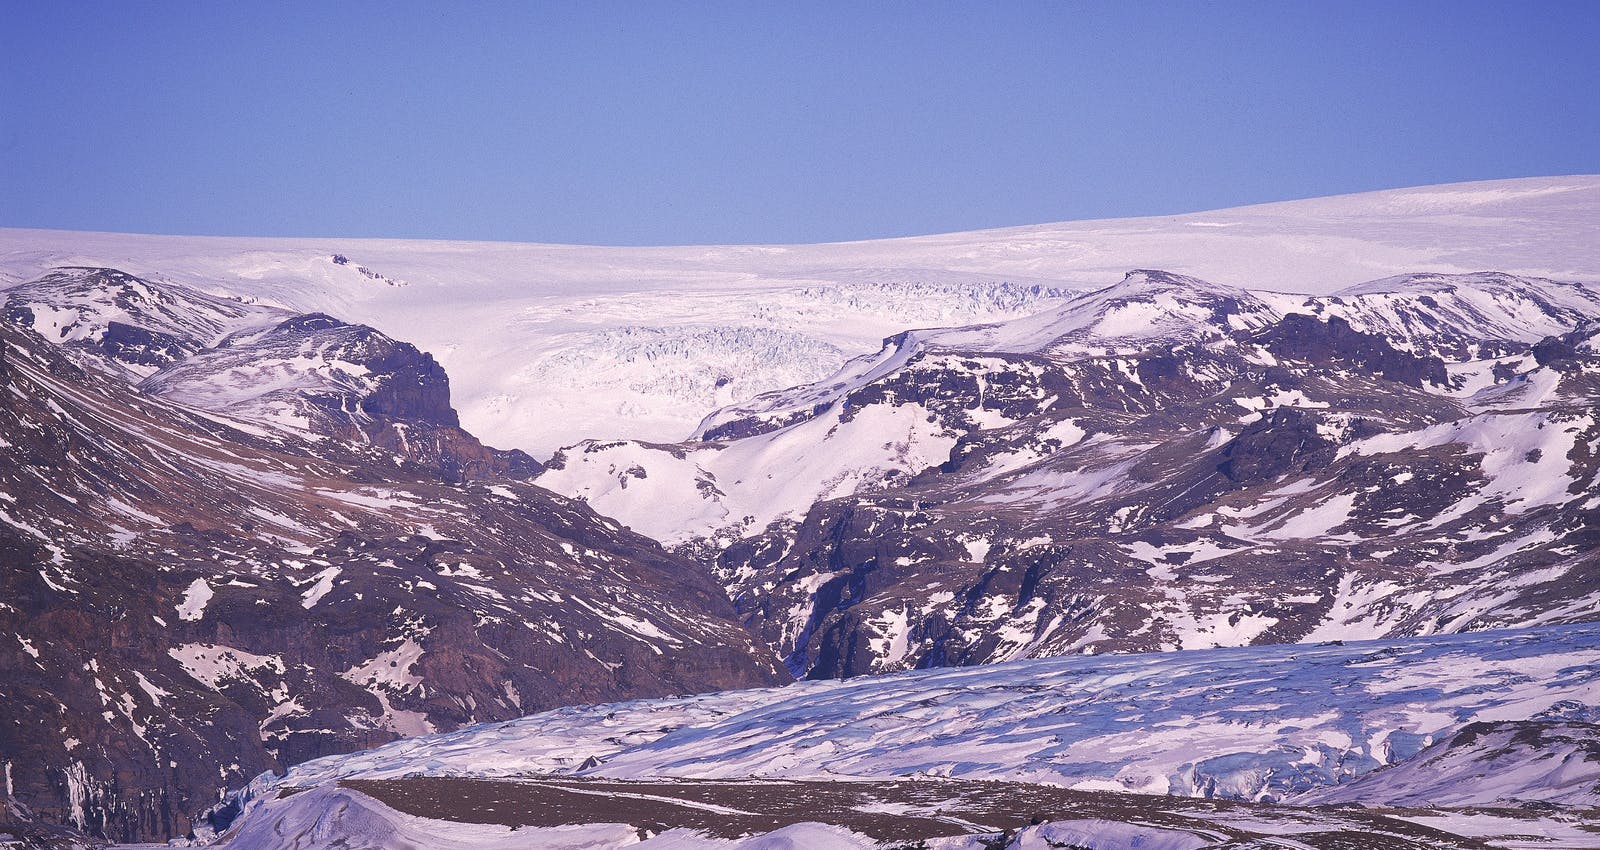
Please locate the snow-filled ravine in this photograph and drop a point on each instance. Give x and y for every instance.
(1256, 723)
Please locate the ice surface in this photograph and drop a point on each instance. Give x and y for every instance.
(1254, 722)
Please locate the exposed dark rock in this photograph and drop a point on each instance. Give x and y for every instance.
(1284, 441)
(1335, 343)
(141, 347)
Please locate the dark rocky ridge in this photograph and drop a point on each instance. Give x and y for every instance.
(1334, 343)
(1283, 442)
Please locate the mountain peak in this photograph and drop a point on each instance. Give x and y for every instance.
(100, 275)
(1150, 283)
(99, 284)
(1455, 310)
(1435, 282)
(1161, 280)
(1152, 304)
(138, 325)
(308, 322)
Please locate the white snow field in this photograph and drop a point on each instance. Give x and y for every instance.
(548, 344)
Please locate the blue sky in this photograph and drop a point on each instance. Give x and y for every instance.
(674, 123)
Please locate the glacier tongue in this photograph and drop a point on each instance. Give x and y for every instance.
(1259, 723)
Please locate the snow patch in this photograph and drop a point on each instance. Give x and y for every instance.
(193, 606)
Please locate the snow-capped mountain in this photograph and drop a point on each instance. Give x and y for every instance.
(1297, 723)
(1146, 308)
(1461, 317)
(138, 327)
(299, 375)
(1162, 463)
(551, 344)
(191, 593)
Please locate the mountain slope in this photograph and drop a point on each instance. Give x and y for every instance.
(1164, 463)
(615, 338)
(188, 599)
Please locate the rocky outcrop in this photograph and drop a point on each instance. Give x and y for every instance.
(1283, 442)
(399, 382)
(1335, 343)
